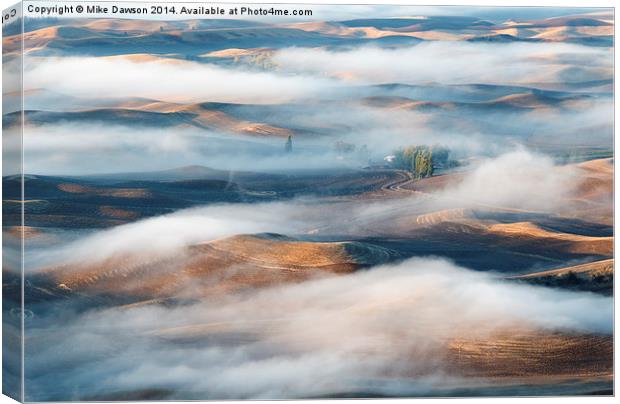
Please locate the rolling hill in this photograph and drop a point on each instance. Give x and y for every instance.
(597, 276)
(214, 268)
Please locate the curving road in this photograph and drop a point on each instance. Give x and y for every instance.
(396, 185)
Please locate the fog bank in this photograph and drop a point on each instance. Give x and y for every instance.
(329, 336)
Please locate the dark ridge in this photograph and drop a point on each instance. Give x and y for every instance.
(420, 24)
(502, 38)
(147, 394)
(570, 21)
(105, 116)
(274, 236)
(603, 41)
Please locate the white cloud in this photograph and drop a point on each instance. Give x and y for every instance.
(166, 233)
(453, 63)
(366, 332)
(518, 179)
(165, 79)
(95, 148)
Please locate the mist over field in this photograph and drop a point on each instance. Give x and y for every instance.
(117, 77)
(291, 96)
(61, 147)
(318, 338)
(501, 181)
(506, 181)
(435, 62)
(414, 204)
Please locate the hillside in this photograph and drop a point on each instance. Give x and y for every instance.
(597, 276)
(215, 267)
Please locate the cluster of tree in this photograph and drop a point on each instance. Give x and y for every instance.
(416, 159)
(421, 161)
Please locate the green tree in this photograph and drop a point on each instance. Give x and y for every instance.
(419, 160)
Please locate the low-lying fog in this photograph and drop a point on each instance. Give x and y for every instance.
(305, 73)
(517, 180)
(322, 96)
(91, 148)
(382, 330)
